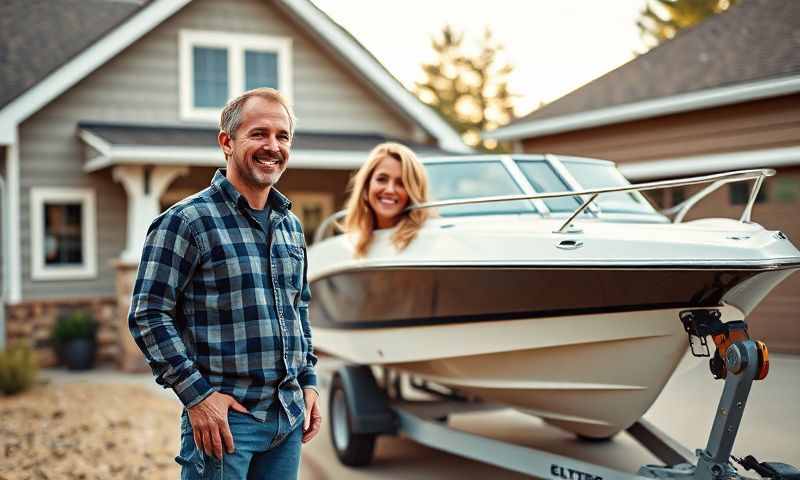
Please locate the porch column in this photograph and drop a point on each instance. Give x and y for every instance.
(144, 186)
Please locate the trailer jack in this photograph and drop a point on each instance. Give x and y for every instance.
(739, 360)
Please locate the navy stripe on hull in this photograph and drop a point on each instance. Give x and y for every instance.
(393, 297)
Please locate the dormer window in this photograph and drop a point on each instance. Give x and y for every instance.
(217, 66)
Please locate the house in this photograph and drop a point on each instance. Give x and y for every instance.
(724, 95)
(108, 114)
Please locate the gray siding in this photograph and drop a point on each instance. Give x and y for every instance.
(141, 86)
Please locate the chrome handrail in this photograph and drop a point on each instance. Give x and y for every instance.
(719, 179)
(327, 223)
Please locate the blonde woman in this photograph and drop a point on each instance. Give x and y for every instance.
(389, 181)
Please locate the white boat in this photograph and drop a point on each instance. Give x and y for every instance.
(548, 284)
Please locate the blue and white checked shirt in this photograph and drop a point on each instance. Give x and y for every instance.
(218, 306)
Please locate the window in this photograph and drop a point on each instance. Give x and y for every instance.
(740, 193)
(657, 197)
(217, 66)
(678, 195)
(210, 85)
(462, 180)
(312, 209)
(603, 175)
(544, 179)
(785, 190)
(63, 234)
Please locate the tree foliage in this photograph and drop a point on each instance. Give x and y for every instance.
(663, 19)
(469, 89)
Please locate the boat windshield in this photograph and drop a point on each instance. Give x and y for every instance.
(544, 179)
(472, 179)
(601, 175)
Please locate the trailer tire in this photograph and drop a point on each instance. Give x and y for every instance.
(352, 449)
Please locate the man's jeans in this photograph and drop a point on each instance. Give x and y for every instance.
(260, 453)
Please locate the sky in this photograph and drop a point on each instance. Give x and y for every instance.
(555, 46)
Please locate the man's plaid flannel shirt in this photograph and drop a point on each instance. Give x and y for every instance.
(218, 306)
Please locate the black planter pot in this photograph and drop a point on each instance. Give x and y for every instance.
(78, 354)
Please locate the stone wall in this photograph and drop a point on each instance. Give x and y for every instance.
(32, 322)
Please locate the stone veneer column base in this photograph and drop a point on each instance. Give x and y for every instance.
(130, 358)
(31, 322)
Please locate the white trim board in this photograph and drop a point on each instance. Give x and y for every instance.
(684, 102)
(159, 10)
(212, 157)
(86, 198)
(718, 162)
(11, 204)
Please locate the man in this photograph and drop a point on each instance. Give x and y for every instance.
(220, 306)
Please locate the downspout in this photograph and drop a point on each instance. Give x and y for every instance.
(4, 256)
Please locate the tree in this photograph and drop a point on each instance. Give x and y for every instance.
(470, 90)
(663, 19)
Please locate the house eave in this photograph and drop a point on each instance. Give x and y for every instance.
(212, 157)
(709, 98)
(711, 163)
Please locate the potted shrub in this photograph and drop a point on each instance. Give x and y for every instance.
(75, 340)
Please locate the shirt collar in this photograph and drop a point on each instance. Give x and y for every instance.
(276, 199)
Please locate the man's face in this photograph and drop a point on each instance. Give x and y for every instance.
(259, 151)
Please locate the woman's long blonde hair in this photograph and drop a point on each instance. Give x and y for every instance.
(360, 218)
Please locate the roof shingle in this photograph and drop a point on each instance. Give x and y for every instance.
(755, 40)
(38, 36)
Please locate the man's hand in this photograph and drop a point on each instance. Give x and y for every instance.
(313, 420)
(209, 420)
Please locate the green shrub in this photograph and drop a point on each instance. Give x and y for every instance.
(74, 325)
(18, 369)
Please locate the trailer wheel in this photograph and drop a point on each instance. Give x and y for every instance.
(353, 449)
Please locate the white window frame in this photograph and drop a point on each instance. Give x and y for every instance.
(86, 197)
(236, 45)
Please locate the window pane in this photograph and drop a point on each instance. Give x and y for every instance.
(311, 216)
(63, 242)
(261, 69)
(598, 175)
(545, 180)
(740, 193)
(451, 181)
(210, 77)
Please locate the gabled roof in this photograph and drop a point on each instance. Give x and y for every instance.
(38, 36)
(47, 49)
(755, 44)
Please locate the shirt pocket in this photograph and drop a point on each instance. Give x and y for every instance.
(291, 260)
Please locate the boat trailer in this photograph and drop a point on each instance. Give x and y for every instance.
(360, 410)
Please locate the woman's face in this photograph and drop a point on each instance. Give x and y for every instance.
(386, 194)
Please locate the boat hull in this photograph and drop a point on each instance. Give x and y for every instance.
(590, 374)
(567, 345)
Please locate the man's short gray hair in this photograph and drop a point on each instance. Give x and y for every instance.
(231, 118)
